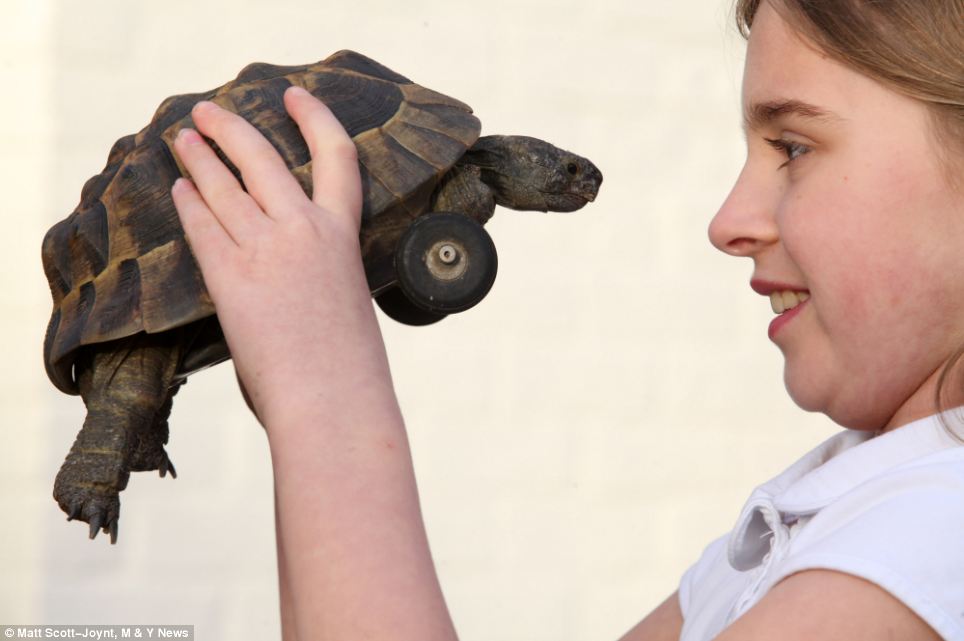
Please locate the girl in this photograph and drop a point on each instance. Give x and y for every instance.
(850, 207)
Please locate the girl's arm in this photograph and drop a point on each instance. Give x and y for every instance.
(665, 623)
(284, 584)
(286, 277)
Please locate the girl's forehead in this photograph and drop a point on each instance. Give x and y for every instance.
(783, 67)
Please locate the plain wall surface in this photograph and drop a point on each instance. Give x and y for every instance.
(579, 437)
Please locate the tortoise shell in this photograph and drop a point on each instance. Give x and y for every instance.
(119, 264)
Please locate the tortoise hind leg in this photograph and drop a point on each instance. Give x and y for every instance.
(149, 451)
(124, 385)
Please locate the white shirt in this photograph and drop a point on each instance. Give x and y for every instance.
(889, 509)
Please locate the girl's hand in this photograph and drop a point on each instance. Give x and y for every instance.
(284, 271)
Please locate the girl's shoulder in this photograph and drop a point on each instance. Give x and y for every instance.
(897, 532)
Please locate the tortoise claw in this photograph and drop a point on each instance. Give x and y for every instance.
(84, 500)
(74, 512)
(165, 467)
(95, 522)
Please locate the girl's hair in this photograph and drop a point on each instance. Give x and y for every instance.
(914, 47)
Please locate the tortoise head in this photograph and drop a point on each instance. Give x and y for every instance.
(528, 173)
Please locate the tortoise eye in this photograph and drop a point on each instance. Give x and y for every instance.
(572, 169)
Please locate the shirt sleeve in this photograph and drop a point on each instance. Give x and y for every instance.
(696, 574)
(903, 533)
(707, 592)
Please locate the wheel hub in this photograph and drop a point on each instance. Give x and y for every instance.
(446, 260)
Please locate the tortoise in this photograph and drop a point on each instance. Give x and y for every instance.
(131, 316)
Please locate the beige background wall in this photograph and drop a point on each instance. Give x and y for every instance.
(579, 436)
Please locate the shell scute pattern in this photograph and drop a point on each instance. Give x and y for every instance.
(351, 61)
(263, 70)
(167, 264)
(111, 313)
(262, 105)
(172, 111)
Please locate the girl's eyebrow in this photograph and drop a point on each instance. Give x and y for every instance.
(760, 114)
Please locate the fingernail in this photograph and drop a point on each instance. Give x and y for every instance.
(180, 185)
(189, 136)
(295, 90)
(204, 105)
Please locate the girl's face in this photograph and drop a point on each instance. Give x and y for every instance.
(844, 202)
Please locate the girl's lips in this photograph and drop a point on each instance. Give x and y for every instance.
(767, 287)
(782, 295)
(782, 319)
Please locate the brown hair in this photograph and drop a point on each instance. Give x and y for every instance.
(915, 47)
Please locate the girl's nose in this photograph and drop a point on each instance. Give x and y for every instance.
(745, 223)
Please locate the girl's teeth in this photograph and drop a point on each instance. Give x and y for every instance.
(782, 301)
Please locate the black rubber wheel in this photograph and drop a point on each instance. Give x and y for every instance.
(397, 307)
(445, 263)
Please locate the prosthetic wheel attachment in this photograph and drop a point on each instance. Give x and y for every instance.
(397, 307)
(445, 263)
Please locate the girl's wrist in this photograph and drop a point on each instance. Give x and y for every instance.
(357, 396)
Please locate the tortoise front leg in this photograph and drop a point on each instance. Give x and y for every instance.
(463, 191)
(126, 386)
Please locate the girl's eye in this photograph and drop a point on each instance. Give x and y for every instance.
(793, 150)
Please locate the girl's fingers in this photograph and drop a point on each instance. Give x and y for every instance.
(265, 175)
(205, 234)
(337, 184)
(238, 214)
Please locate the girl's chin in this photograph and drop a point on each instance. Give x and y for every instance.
(854, 412)
(815, 392)
(806, 399)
